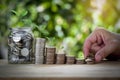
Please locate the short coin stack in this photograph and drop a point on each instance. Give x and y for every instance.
(39, 51)
(80, 61)
(50, 55)
(90, 59)
(70, 59)
(60, 57)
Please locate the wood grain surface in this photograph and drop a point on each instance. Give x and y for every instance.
(106, 70)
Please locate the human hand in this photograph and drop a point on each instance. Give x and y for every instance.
(102, 43)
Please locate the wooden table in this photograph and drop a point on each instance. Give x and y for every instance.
(107, 70)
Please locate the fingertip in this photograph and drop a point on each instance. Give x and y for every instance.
(86, 48)
(85, 51)
(98, 58)
(85, 55)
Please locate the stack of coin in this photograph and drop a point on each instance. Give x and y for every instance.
(70, 59)
(60, 58)
(90, 59)
(80, 61)
(39, 50)
(50, 55)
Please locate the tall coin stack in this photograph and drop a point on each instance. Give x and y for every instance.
(39, 50)
(50, 55)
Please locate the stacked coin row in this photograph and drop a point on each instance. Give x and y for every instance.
(48, 55)
(68, 59)
(62, 58)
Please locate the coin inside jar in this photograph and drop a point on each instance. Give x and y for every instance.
(13, 58)
(24, 52)
(16, 38)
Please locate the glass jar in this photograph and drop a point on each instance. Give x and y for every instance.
(20, 42)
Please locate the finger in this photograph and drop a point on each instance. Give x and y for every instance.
(99, 40)
(91, 40)
(104, 52)
(102, 45)
(95, 47)
(88, 43)
(86, 47)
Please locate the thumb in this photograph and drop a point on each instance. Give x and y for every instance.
(103, 52)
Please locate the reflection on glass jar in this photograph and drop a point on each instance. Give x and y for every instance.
(20, 43)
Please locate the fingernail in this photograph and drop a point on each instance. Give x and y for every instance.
(98, 58)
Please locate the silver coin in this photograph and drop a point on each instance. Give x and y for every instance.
(16, 38)
(24, 52)
(13, 58)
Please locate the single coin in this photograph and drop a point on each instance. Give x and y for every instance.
(16, 38)
(24, 52)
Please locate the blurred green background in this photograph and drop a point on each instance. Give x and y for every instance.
(69, 21)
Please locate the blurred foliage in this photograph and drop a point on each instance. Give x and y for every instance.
(69, 21)
(51, 41)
